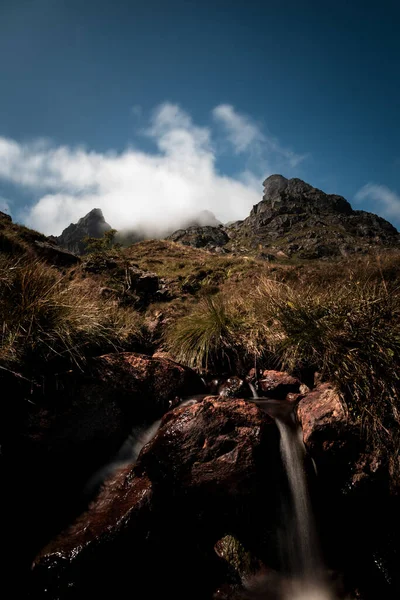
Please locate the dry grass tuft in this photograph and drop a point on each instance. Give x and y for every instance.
(43, 316)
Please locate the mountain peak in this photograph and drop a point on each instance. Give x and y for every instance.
(274, 185)
(298, 219)
(93, 224)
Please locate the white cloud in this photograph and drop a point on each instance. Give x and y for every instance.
(386, 201)
(241, 130)
(153, 191)
(245, 135)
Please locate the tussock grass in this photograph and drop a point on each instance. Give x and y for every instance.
(43, 317)
(346, 328)
(350, 333)
(207, 336)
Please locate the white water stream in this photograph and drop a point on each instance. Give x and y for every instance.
(299, 540)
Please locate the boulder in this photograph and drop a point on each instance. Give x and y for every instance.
(55, 255)
(323, 417)
(278, 384)
(142, 282)
(206, 237)
(233, 387)
(356, 507)
(212, 468)
(58, 434)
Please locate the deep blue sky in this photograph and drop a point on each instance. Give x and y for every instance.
(323, 77)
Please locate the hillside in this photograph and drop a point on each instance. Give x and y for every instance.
(94, 348)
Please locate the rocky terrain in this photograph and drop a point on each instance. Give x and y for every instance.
(296, 220)
(133, 453)
(91, 225)
(293, 220)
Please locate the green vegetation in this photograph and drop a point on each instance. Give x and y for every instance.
(104, 244)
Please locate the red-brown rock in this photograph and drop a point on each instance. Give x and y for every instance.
(322, 416)
(277, 384)
(212, 468)
(62, 432)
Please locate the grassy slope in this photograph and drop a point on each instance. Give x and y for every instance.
(339, 318)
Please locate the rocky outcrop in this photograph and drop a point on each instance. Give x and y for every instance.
(55, 435)
(300, 220)
(91, 225)
(209, 238)
(204, 218)
(55, 255)
(131, 286)
(296, 219)
(356, 504)
(212, 468)
(5, 217)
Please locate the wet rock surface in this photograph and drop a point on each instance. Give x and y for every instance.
(213, 467)
(53, 439)
(355, 502)
(213, 470)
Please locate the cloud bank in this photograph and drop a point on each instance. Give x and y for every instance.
(153, 191)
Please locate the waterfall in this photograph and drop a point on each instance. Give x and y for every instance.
(304, 556)
(127, 454)
(298, 540)
(253, 390)
(130, 450)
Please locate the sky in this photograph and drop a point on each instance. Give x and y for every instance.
(156, 109)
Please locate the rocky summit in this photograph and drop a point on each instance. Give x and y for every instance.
(91, 225)
(295, 219)
(299, 220)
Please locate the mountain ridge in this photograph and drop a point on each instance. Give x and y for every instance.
(293, 219)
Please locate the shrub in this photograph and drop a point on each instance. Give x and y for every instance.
(103, 244)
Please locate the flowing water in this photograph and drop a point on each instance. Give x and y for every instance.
(299, 540)
(127, 454)
(129, 451)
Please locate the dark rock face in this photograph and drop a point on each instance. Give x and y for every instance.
(5, 217)
(204, 218)
(205, 237)
(212, 468)
(300, 220)
(54, 438)
(55, 255)
(135, 286)
(92, 225)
